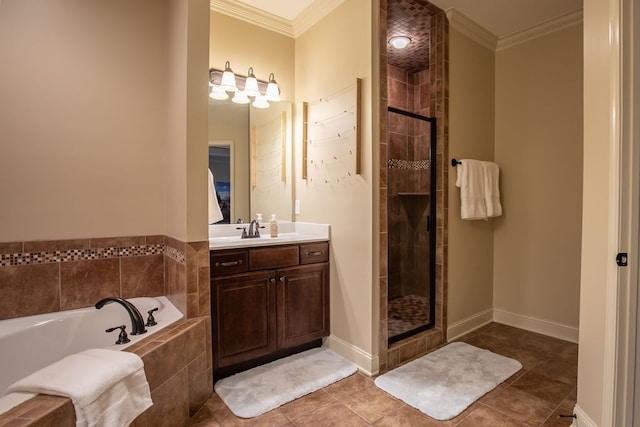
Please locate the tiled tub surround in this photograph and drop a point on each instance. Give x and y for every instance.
(68, 274)
(176, 363)
(46, 276)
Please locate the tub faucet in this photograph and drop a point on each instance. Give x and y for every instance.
(137, 323)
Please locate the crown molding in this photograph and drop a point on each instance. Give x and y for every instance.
(253, 16)
(548, 27)
(301, 23)
(314, 13)
(471, 29)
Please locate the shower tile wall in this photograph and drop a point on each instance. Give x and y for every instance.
(409, 175)
(393, 355)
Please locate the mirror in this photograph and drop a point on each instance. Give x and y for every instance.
(255, 143)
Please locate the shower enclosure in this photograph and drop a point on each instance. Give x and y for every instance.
(411, 204)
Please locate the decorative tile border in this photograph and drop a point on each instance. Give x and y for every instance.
(414, 165)
(175, 254)
(47, 257)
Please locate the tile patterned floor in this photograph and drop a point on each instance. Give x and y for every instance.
(535, 396)
(406, 313)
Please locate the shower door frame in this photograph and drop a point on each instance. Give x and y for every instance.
(431, 221)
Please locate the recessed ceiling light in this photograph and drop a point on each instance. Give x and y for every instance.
(399, 42)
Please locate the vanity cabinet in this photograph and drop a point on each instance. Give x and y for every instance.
(267, 303)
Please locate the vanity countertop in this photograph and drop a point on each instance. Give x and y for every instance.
(228, 237)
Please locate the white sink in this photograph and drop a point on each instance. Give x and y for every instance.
(229, 237)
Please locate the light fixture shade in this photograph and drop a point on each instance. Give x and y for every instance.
(251, 84)
(273, 91)
(218, 93)
(228, 82)
(261, 102)
(241, 98)
(399, 42)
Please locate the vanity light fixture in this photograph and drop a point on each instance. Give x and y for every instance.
(228, 82)
(261, 102)
(251, 84)
(221, 82)
(399, 42)
(273, 91)
(218, 93)
(241, 97)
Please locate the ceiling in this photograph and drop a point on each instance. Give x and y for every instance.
(502, 18)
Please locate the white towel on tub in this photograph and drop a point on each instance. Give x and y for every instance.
(107, 387)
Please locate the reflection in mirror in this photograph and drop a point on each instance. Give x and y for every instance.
(260, 173)
(221, 167)
(269, 175)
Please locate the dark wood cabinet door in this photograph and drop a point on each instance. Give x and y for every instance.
(243, 317)
(303, 304)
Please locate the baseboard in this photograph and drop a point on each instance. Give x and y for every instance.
(367, 363)
(469, 324)
(582, 419)
(545, 327)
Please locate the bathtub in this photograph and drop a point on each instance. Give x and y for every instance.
(33, 342)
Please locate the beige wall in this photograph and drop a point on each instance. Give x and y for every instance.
(186, 176)
(94, 103)
(471, 135)
(329, 57)
(539, 149)
(599, 173)
(82, 118)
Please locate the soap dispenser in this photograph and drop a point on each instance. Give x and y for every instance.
(273, 226)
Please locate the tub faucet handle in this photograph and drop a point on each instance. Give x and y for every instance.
(151, 321)
(122, 337)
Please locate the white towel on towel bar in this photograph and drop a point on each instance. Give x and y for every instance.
(491, 189)
(470, 180)
(107, 387)
(479, 189)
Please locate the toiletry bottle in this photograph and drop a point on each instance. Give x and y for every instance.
(273, 226)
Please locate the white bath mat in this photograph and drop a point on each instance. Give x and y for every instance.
(445, 382)
(258, 390)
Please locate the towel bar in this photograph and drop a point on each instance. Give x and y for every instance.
(455, 162)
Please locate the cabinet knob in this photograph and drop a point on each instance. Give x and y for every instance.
(272, 280)
(282, 279)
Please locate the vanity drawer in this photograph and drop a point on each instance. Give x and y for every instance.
(228, 262)
(273, 257)
(311, 253)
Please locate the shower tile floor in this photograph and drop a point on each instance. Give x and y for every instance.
(406, 313)
(535, 396)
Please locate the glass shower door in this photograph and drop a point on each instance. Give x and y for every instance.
(411, 189)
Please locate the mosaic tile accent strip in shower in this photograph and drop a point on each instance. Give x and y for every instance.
(414, 165)
(54, 256)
